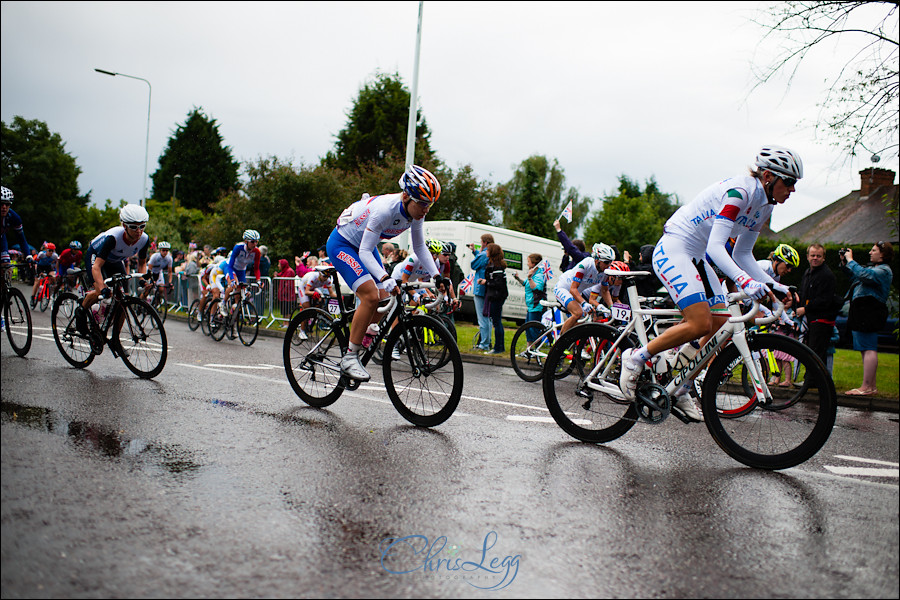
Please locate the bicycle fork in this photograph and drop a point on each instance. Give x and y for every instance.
(753, 365)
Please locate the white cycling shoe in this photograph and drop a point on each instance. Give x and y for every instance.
(629, 374)
(352, 368)
(685, 404)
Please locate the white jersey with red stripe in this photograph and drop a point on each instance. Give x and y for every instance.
(415, 269)
(381, 214)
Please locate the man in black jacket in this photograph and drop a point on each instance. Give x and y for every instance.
(817, 301)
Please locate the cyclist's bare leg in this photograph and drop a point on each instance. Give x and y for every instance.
(576, 313)
(366, 313)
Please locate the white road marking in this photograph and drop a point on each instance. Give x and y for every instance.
(218, 366)
(864, 471)
(868, 460)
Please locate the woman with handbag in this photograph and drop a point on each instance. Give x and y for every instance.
(868, 308)
(496, 293)
(535, 285)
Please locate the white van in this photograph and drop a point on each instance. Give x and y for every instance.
(516, 248)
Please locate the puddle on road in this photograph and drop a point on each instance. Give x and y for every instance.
(165, 459)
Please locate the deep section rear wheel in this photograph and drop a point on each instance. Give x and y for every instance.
(528, 358)
(73, 345)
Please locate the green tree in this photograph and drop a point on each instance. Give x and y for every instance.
(536, 196)
(377, 126)
(632, 217)
(207, 168)
(34, 164)
(174, 224)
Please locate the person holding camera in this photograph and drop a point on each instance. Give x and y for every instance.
(817, 301)
(478, 264)
(869, 289)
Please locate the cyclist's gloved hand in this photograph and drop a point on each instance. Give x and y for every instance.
(587, 308)
(781, 290)
(389, 284)
(753, 288)
(106, 292)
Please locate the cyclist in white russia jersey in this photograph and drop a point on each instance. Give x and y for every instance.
(698, 232)
(352, 248)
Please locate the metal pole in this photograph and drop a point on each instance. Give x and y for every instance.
(147, 143)
(175, 189)
(411, 128)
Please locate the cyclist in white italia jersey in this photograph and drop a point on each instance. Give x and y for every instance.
(699, 231)
(352, 248)
(586, 274)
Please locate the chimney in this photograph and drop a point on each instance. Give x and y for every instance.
(871, 179)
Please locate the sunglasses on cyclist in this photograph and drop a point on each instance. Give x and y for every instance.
(788, 181)
(135, 227)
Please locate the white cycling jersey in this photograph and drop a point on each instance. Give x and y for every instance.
(372, 218)
(112, 247)
(314, 280)
(585, 273)
(768, 268)
(159, 263)
(414, 268)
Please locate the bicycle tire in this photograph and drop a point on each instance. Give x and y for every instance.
(18, 317)
(247, 324)
(45, 296)
(158, 302)
(218, 324)
(425, 385)
(145, 345)
(778, 435)
(585, 414)
(204, 318)
(194, 315)
(313, 365)
(528, 358)
(73, 345)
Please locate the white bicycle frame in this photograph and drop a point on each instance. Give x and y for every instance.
(734, 329)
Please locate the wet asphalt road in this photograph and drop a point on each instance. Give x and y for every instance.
(215, 480)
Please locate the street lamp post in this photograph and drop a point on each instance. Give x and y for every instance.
(147, 145)
(175, 189)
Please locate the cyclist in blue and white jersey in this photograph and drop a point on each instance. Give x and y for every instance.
(107, 254)
(352, 248)
(160, 265)
(242, 256)
(10, 221)
(572, 285)
(699, 231)
(212, 279)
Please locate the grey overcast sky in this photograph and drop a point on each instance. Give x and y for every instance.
(607, 88)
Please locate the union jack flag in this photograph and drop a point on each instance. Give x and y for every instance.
(467, 284)
(567, 213)
(547, 269)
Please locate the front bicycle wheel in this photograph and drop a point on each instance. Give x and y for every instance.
(18, 321)
(217, 324)
(528, 358)
(194, 315)
(142, 339)
(45, 297)
(312, 357)
(247, 324)
(73, 345)
(585, 413)
(779, 371)
(158, 301)
(769, 433)
(425, 383)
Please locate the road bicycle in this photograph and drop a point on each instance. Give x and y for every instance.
(440, 310)
(130, 327)
(45, 292)
(200, 318)
(528, 358)
(763, 426)
(424, 383)
(240, 319)
(156, 297)
(16, 315)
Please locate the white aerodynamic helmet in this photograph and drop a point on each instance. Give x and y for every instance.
(133, 213)
(603, 252)
(781, 161)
